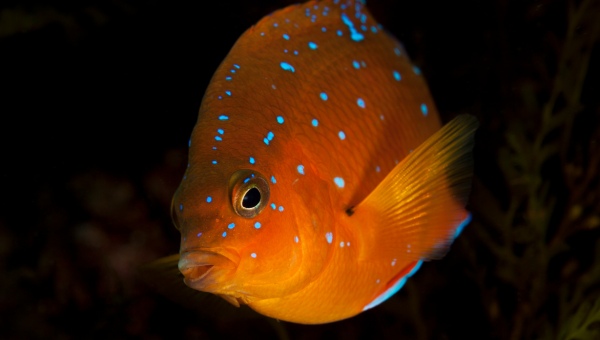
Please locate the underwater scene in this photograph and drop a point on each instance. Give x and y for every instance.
(381, 169)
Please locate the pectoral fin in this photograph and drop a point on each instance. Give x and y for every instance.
(419, 206)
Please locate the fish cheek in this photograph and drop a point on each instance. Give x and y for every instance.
(270, 260)
(289, 250)
(314, 220)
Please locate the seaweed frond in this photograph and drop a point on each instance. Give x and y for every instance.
(542, 282)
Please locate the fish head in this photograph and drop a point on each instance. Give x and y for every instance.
(249, 231)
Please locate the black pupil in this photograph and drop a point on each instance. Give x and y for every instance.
(251, 198)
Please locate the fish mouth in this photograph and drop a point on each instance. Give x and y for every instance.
(201, 267)
(196, 272)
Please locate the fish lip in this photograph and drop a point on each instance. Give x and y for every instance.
(199, 266)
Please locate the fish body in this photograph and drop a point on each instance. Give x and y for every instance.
(319, 176)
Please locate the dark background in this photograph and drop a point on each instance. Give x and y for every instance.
(97, 102)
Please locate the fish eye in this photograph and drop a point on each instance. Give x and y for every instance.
(251, 198)
(249, 193)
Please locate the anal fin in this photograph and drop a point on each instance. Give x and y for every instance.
(395, 284)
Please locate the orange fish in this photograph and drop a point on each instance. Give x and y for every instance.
(319, 175)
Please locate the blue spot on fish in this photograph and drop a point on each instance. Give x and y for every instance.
(323, 95)
(315, 122)
(252, 161)
(253, 255)
(208, 199)
(199, 234)
(273, 206)
(329, 237)
(231, 225)
(280, 119)
(220, 131)
(339, 182)
(287, 67)
(214, 162)
(280, 208)
(224, 234)
(360, 102)
(356, 64)
(273, 179)
(339, 33)
(354, 34)
(286, 37)
(300, 169)
(417, 70)
(236, 66)
(223, 117)
(397, 75)
(342, 135)
(424, 109)
(218, 138)
(270, 135)
(312, 45)
(181, 207)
